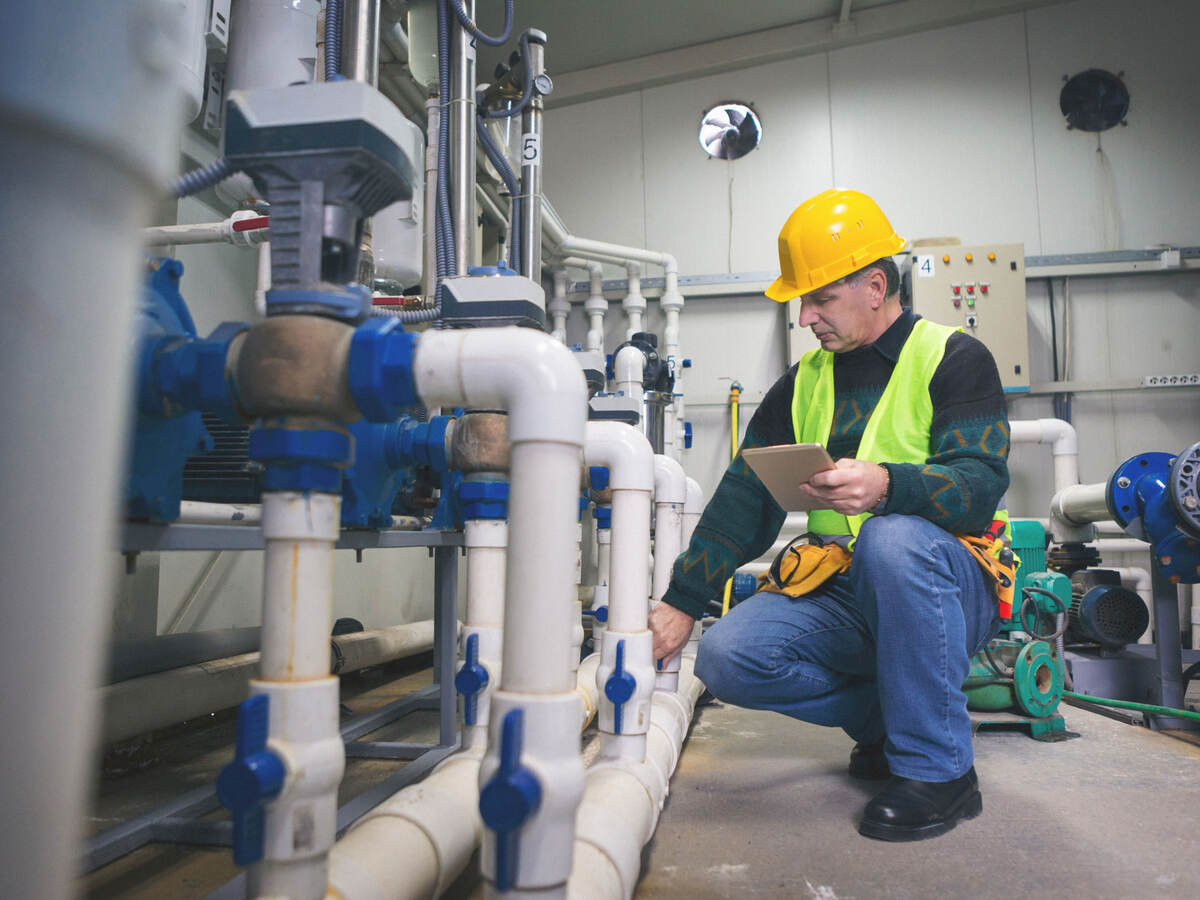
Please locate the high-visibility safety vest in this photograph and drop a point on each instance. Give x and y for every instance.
(899, 427)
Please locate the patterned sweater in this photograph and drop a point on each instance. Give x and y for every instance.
(959, 486)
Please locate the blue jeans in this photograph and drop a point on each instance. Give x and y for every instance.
(884, 649)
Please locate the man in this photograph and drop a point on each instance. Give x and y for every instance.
(913, 413)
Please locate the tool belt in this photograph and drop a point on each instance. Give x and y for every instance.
(998, 562)
(806, 563)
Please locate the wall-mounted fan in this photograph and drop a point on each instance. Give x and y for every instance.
(1094, 100)
(730, 131)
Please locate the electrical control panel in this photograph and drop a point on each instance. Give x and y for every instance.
(982, 290)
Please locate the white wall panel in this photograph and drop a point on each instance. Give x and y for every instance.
(936, 127)
(593, 173)
(956, 132)
(688, 193)
(1157, 191)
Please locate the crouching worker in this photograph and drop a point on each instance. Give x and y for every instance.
(871, 628)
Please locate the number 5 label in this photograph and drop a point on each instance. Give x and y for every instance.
(531, 150)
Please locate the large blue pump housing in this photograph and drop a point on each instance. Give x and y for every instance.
(178, 375)
(1156, 497)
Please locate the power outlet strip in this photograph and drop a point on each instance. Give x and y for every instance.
(1187, 379)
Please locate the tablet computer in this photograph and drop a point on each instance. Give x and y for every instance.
(784, 468)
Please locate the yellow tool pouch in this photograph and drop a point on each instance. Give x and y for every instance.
(804, 565)
(998, 563)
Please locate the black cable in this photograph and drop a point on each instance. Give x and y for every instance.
(1003, 673)
(1057, 398)
(1027, 593)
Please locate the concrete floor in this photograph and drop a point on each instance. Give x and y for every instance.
(762, 806)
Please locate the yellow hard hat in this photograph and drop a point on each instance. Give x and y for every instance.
(828, 237)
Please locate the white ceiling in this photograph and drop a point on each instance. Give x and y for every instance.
(587, 33)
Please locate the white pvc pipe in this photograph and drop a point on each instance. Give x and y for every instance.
(1064, 446)
(559, 306)
(596, 307)
(693, 507)
(670, 495)
(587, 247)
(417, 842)
(537, 380)
(634, 303)
(671, 304)
(600, 592)
(623, 799)
(1073, 509)
(487, 563)
(208, 232)
(196, 512)
(628, 370)
(263, 283)
(138, 705)
(631, 475)
(85, 146)
(299, 531)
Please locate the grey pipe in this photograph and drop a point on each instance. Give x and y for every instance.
(462, 142)
(360, 40)
(143, 704)
(135, 658)
(531, 162)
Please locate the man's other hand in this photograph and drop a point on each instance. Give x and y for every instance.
(853, 486)
(671, 628)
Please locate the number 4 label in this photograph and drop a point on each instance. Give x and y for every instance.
(531, 150)
(925, 267)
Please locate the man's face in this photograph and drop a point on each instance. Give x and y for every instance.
(844, 315)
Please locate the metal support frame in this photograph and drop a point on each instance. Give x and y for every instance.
(179, 821)
(1168, 648)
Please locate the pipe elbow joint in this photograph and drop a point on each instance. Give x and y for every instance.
(526, 372)
(629, 365)
(694, 503)
(1061, 434)
(625, 452)
(670, 482)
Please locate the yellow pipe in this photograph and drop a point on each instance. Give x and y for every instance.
(735, 392)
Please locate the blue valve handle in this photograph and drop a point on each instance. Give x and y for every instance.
(619, 687)
(471, 679)
(600, 613)
(509, 799)
(254, 777)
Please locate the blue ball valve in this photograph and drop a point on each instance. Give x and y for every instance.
(619, 687)
(471, 680)
(510, 799)
(253, 779)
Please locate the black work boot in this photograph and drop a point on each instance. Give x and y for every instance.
(908, 810)
(868, 762)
